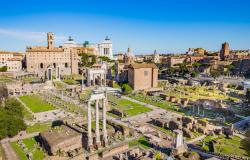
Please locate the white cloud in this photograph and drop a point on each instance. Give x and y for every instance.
(25, 35)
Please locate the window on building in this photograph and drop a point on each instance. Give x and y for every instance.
(54, 65)
(66, 65)
(41, 65)
(145, 73)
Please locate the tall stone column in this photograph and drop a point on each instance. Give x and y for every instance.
(105, 137)
(90, 140)
(198, 109)
(58, 77)
(97, 132)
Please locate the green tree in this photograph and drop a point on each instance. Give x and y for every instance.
(11, 118)
(87, 60)
(158, 156)
(104, 58)
(196, 65)
(246, 142)
(194, 74)
(215, 73)
(183, 69)
(229, 68)
(93, 59)
(127, 89)
(3, 69)
(248, 95)
(171, 71)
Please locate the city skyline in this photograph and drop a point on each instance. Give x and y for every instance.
(169, 27)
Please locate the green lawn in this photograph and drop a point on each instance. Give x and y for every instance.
(18, 150)
(38, 127)
(225, 145)
(1, 152)
(112, 115)
(142, 142)
(230, 146)
(192, 92)
(30, 79)
(166, 131)
(70, 107)
(32, 146)
(155, 101)
(27, 115)
(71, 82)
(59, 85)
(128, 107)
(5, 79)
(36, 104)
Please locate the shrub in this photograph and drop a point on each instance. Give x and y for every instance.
(3, 69)
(127, 89)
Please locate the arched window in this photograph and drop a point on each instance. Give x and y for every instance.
(66, 65)
(41, 65)
(54, 65)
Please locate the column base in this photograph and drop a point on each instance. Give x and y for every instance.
(90, 148)
(104, 143)
(98, 145)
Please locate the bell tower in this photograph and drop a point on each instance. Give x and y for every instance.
(50, 38)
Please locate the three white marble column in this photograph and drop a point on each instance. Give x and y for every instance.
(97, 130)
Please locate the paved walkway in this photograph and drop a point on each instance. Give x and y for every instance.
(9, 152)
(21, 135)
(196, 139)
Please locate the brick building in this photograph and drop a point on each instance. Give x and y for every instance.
(142, 76)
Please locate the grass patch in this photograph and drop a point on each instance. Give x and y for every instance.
(112, 115)
(142, 142)
(224, 145)
(30, 79)
(230, 146)
(166, 131)
(204, 92)
(71, 82)
(5, 79)
(1, 152)
(32, 146)
(18, 150)
(35, 103)
(27, 115)
(69, 107)
(59, 85)
(38, 127)
(156, 101)
(128, 107)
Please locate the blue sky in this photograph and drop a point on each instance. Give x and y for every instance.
(165, 25)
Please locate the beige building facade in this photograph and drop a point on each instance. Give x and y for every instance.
(40, 58)
(12, 60)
